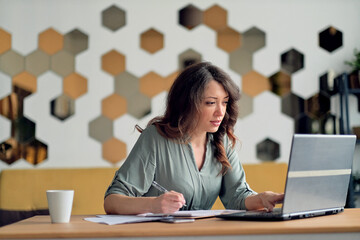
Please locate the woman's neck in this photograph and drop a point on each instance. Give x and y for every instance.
(198, 140)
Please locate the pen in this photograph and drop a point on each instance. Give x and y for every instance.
(160, 188)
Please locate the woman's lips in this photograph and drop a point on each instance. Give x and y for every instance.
(216, 123)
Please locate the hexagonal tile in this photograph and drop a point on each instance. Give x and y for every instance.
(10, 151)
(114, 150)
(330, 39)
(189, 57)
(113, 106)
(11, 107)
(317, 106)
(329, 84)
(63, 63)
(50, 41)
(292, 61)
(268, 150)
(113, 18)
(253, 83)
(5, 41)
(11, 63)
(126, 84)
(215, 17)
(5, 83)
(228, 39)
(246, 106)
(23, 130)
(25, 81)
(253, 39)
(304, 124)
(139, 105)
(292, 105)
(62, 107)
(101, 129)
(240, 61)
(280, 83)
(34, 152)
(328, 124)
(74, 85)
(190, 17)
(113, 62)
(5, 126)
(37, 62)
(75, 42)
(152, 40)
(151, 84)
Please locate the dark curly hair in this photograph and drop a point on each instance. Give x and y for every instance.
(183, 107)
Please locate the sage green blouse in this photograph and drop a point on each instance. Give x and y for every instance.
(173, 166)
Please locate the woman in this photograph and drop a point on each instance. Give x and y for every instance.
(189, 150)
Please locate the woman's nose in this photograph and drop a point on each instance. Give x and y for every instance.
(220, 110)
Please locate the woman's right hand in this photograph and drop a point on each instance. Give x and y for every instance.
(168, 202)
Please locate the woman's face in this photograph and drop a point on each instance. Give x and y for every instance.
(212, 108)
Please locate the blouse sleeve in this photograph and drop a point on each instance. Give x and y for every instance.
(234, 188)
(134, 177)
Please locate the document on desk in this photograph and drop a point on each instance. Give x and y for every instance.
(120, 219)
(151, 217)
(191, 213)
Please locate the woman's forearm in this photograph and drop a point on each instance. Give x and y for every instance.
(120, 204)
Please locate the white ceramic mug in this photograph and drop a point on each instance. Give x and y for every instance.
(60, 205)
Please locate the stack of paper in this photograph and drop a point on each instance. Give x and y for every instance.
(150, 217)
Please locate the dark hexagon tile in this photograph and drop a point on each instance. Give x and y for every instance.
(126, 84)
(292, 61)
(23, 130)
(292, 105)
(10, 151)
(246, 105)
(11, 63)
(330, 39)
(35, 152)
(101, 129)
(62, 107)
(190, 17)
(139, 105)
(113, 18)
(76, 42)
(268, 150)
(189, 57)
(240, 61)
(63, 63)
(280, 83)
(317, 106)
(37, 62)
(253, 39)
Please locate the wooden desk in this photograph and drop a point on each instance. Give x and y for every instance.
(346, 224)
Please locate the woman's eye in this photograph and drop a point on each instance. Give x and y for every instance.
(210, 103)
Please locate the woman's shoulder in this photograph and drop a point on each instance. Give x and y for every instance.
(152, 132)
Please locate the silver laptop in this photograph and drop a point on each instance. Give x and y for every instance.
(317, 180)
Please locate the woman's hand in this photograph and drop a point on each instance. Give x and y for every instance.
(168, 202)
(265, 200)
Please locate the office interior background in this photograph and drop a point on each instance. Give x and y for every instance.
(76, 76)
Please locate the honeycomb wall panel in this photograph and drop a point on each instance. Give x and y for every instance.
(60, 69)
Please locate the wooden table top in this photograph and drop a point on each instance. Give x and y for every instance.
(41, 227)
